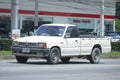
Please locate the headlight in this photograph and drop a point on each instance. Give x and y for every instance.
(15, 43)
(42, 45)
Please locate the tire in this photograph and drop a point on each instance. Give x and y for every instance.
(94, 58)
(65, 60)
(21, 59)
(54, 56)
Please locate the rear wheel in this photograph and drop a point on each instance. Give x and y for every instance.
(94, 58)
(65, 60)
(54, 56)
(21, 59)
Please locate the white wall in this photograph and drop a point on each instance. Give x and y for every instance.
(60, 20)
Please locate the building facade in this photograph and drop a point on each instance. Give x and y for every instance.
(118, 10)
(83, 13)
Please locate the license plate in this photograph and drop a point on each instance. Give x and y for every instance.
(26, 50)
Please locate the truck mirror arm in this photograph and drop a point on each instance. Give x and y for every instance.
(67, 35)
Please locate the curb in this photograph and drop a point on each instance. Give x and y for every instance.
(111, 57)
(13, 57)
(7, 58)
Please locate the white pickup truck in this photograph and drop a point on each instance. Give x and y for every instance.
(60, 41)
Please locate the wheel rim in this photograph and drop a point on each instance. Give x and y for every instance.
(96, 55)
(55, 56)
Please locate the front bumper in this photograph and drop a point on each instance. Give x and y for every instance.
(30, 52)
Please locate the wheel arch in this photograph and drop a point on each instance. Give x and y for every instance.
(97, 46)
(56, 47)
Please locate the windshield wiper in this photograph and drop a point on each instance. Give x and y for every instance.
(42, 34)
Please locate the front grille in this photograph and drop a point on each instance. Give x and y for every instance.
(26, 44)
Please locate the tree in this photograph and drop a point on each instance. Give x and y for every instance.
(117, 23)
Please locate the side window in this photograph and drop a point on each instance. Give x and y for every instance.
(73, 32)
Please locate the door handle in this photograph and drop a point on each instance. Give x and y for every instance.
(76, 40)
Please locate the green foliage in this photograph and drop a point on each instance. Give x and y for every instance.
(112, 54)
(5, 44)
(5, 53)
(115, 46)
(117, 23)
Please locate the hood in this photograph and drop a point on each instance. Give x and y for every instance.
(37, 39)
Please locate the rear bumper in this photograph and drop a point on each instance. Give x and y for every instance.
(31, 52)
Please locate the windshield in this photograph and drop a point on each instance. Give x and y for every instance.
(50, 31)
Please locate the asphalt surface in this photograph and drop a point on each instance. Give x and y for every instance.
(107, 69)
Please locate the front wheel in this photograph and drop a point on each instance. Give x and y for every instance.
(21, 59)
(54, 56)
(94, 58)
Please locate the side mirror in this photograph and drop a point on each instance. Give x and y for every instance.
(67, 35)
(31, 33)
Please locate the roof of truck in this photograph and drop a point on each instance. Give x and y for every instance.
(59, 24)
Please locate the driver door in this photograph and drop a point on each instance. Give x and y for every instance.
(72, 42)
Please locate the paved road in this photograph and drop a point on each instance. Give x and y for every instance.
(75, 70)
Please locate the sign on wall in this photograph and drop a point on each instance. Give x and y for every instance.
(82, 23)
